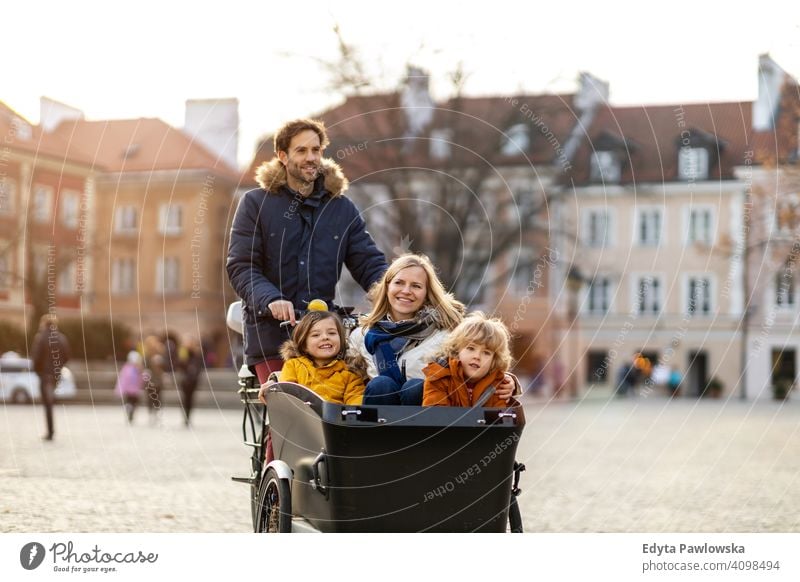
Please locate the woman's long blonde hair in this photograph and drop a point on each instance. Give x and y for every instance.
(449, 310)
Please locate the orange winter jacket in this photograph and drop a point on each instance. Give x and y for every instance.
(446, 386)
(334, 382)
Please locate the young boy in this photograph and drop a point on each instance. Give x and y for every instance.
(475, 357)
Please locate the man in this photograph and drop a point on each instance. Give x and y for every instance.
(49, 352)
(290, 239)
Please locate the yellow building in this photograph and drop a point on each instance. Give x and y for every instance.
(163, 204)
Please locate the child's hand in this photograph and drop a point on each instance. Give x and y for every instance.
(505, 390)
(262, 393)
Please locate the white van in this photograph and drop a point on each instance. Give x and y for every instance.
(20, 384)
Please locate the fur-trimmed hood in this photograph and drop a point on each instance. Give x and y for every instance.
(290, 350)
(271, 176)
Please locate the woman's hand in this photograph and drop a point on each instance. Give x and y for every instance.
(262, 393)
(505, 390)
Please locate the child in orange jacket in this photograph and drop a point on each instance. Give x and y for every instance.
(315, 358)
(476, 356)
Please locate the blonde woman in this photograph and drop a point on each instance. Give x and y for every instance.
(412, 316)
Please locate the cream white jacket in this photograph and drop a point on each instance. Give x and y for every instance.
(414, 357)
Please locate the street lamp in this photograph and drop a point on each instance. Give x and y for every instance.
(574, 284)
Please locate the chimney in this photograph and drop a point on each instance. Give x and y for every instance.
(591, 92)
(52, 113)
(416, 101)
(215, 124)
(770, 82)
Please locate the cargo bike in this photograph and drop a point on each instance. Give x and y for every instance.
(343, 468)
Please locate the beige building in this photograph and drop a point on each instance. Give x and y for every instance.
(162, 209)
(659, 216)
(46, 199)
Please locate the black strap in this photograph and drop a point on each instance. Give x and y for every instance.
(518, 468)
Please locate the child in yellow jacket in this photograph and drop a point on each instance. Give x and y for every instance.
(316, 358)
(475, 357)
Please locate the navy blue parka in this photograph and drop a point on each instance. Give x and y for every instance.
(285, 246)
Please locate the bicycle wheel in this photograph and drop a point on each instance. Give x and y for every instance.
(274, 504)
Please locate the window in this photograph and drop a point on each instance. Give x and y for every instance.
(701, 226)
(529, 275)
(597, 370)
(597, 228)
(440, 143)
(604, 166)
(5, 269)
(598, 298)
(648, 295)
(66, 279)
(125, 220)
(123, 276)
(22, 128)
(8, 195)
(649, 227)
(693, 163)
(526, 202)
(70, 205)
(170, 219)
(784, 290)
(699, 296)
(168, 275)
(42, 203)
(516, 141)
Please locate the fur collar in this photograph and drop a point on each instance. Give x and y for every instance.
(271, 176)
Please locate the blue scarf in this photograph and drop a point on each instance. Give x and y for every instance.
(387, 339)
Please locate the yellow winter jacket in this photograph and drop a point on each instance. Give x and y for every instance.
(334, 382)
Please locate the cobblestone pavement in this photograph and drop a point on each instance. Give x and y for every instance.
(100, 474)
(635, 465)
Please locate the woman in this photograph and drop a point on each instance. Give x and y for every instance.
(412, 316)
(155, 365)
(191, 362)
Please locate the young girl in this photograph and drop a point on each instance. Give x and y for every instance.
(315, 358)
(130, 383)
(476, 356)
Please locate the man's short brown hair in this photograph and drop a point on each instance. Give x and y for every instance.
(285, 134)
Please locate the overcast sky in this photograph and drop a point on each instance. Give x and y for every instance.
(144, 59)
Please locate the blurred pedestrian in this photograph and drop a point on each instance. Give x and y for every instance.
(643, 367)
(674, 383)
(191, 364)
(660, 375)
(50, 353)
(627, 377)
(558, 378)
(154, 368)
(130, 383)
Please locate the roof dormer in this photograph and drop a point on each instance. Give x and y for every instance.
(698, 152)
(607, 158)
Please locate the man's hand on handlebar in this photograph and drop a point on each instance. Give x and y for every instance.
(283, 310)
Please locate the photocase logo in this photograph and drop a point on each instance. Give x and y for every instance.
(32, 555)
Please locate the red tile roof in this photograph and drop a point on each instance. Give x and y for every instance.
(40, 144)
(654, 133)
(140, 145)
(369, 133)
